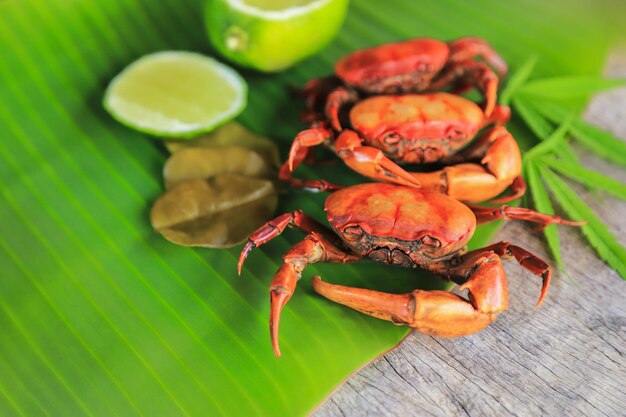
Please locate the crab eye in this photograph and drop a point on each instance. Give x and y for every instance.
(391, 138)
(431, 241)
(353, 232)
(458, 134)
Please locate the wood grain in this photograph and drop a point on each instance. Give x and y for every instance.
(566, 358)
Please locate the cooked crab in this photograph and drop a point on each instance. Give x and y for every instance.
(414, 65)
(407, 227)
(388, 131)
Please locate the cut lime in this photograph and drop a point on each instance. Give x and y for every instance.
(270, 35)
(176, 94)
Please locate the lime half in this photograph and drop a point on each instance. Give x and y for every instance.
(270, 35)
(176, 94)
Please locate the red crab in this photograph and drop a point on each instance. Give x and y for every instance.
(420, 129)
(408, 227)
(414, 65)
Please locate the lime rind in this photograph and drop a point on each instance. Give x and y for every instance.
(285, 14)
(272, 39)
(152, 120)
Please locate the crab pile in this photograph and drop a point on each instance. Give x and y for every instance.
(385, 108)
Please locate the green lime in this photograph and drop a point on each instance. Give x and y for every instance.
(175, 94)
(270, 35)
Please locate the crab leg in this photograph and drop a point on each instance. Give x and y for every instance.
(499, 166)
(464, 49)
(338, 98)
(517, 188)
(500, 116)
(312, 249)
(490, 214)
(316, 135)
(315, 93)
(370, 161)
(463, 74)
(276, 226)
(440, 313)
(306, 139)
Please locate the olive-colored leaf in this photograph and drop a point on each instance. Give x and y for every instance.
(598, 234)
(217, 212)
(231, 134)
(193, 163)
(559, 88)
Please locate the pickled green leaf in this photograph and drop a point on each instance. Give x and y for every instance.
(193, 163)
(231, 134)
(217, 212)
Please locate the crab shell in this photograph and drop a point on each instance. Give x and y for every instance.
(417, 128)
(400, 225)
(394, 67)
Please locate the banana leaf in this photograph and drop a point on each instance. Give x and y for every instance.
(100, 316)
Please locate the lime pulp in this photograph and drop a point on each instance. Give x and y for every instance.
(176, 94)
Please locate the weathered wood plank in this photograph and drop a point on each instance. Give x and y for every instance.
(565, 358)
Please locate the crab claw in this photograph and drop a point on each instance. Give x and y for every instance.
(526, 259)
(518, 189)
(386, 168)
(371, 162)
(500, 115)
(438, 313)
(391, 307)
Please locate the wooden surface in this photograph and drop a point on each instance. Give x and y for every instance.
(566, 358)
